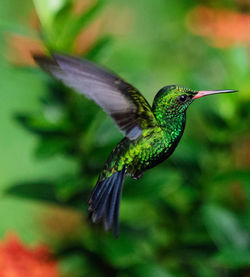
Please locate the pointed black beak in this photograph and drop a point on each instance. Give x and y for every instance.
(203, 93)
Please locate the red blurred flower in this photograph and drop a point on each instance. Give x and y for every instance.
(222, 26)
(17, 260)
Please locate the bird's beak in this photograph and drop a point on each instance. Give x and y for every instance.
(203, 93)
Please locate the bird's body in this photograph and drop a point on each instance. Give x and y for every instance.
(151, 133)
(151, 148)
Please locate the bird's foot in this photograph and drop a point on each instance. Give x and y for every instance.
(137, 176)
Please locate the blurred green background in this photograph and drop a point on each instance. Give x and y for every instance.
(190, 216)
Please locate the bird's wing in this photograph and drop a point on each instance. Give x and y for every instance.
(125, 104)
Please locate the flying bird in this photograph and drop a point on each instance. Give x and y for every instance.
(151, 133)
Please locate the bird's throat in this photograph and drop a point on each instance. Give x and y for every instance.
(173, 126)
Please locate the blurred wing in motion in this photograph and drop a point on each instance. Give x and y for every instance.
(129, 109)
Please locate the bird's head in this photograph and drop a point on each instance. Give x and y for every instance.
(174, 100)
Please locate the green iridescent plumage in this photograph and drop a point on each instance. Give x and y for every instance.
(151, 134)
(155, 143)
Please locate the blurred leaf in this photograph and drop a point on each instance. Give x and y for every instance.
(47, 10)
(225, 228)
(75, 25)
(46, 191)
(233, 258)
(62, 18)
(149, 270)
(98, 47)
(238, 61)
(74, 265)
(68, 186)
(50, 146)
(43, 125)
(232, 175)
(11, 27)
(42, 191)
(81, 110)
(126, 251)
(204, 269)
(138, 213)
(100, 136)
(159, 183)
(85, 18)
(182, 200)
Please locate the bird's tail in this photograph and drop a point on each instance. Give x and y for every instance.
(104, 202)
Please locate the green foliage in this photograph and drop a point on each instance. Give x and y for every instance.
(60, 25)
(190, 215)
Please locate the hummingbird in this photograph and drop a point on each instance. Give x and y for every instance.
(151, 134)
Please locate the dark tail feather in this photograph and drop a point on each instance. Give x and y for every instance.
(104, 202)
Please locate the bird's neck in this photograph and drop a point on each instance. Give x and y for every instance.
(172, 125)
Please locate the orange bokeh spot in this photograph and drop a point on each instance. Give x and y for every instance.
(222, 27)
(21, 49)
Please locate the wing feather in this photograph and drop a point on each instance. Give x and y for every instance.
(129, 109)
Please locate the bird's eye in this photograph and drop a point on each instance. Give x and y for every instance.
(183, 98)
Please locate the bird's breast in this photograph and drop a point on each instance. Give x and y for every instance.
(148, 152)
(139, 155)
